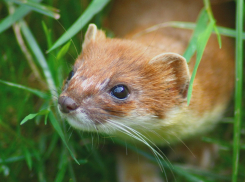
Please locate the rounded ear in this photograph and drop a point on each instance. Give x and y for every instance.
(92, 34)
(179, 68)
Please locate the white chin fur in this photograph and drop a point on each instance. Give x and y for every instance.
(81, 121)
(173, 127)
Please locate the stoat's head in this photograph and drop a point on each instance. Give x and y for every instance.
(119, 82)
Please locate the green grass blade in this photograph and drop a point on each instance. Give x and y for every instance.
(60, 132)
(71, 172)
(62, 168)
(201, 44)
(229, 32)
(63, 50)
(200, 27)
(211, 18)
(12, 159)
(43, 9)
(61, 173)
(238, 88)
(46, 119)
(94, 7)
(40, 58)
(189, 25)
(34, 91)
(53, 143)
(47, 34)
(31, 116)
(222, 144)
(19, 13)
(28, 157)
(83, 161)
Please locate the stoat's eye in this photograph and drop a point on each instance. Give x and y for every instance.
(120, 92)
(70, 75)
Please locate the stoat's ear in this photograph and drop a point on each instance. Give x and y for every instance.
(179, 68)
(92, 34)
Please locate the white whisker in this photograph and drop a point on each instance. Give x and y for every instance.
(185, 145)
(138, 136)
(70, 135)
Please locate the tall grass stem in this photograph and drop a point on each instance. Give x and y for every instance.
(238, 88)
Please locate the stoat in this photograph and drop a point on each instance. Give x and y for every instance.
(129, 87)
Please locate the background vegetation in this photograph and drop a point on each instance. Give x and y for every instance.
(46, 148)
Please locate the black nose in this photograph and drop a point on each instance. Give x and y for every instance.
(67, 104)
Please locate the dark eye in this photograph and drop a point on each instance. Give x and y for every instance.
(120, 92)
(70, 75)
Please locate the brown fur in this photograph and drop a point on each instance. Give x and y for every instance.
(209, 88)
(156, 87)
(147, 90)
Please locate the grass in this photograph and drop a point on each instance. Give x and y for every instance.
(238, 89)
(46, 148)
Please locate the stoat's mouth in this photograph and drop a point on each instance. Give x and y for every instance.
(63, 113)
(82, 120)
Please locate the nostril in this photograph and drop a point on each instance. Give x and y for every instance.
(67, 104)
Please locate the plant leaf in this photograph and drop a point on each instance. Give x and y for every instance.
(201, 44)
(38, 7)
(31, 116)
(60, 132)
(28, 158)
(40, 57)
(239, 107)
(12, 159)
(63, 50)
(18, 14)
(61, 168)
(211, 18)
(94, 7)
(200, 27)
(34, 91)
(47, 33)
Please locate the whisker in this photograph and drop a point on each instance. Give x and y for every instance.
(70, 39)
(70, 135)
(185, 145)
(145, 129)
(138, 136)
(156, 154)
